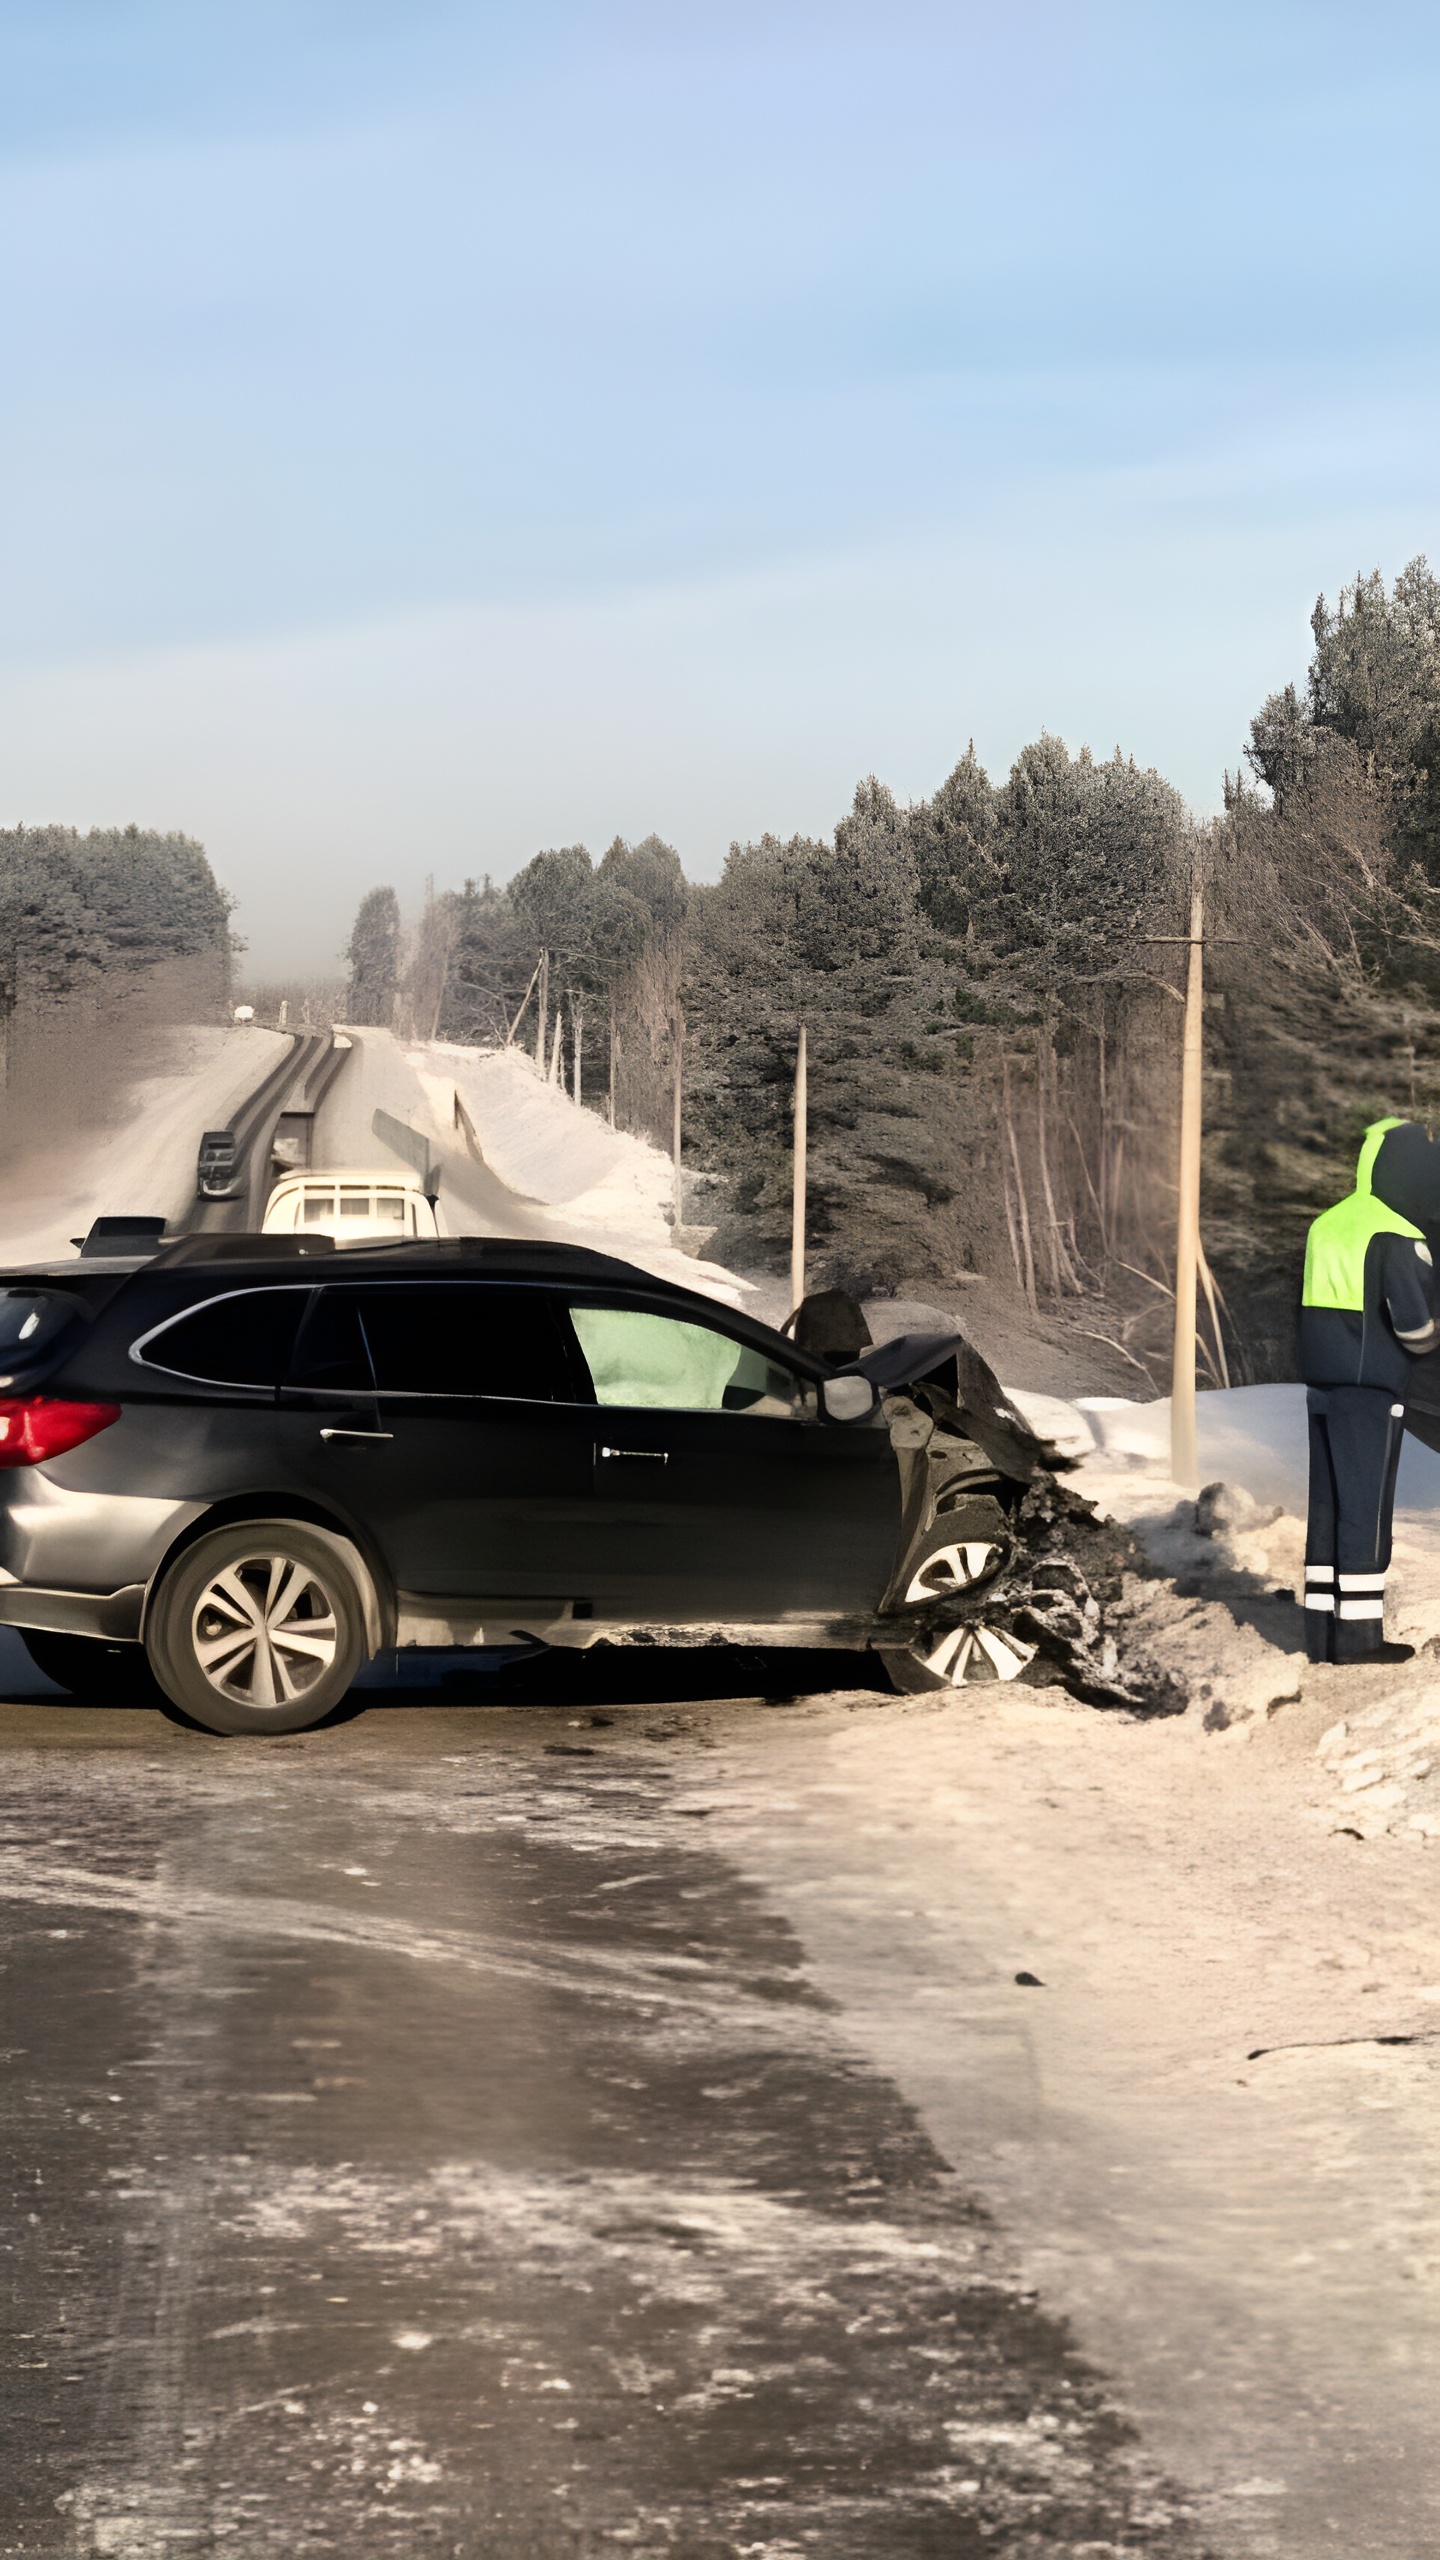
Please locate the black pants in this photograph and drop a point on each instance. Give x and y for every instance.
(1355, 1435)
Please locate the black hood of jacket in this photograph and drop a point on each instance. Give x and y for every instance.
(1406, 1175)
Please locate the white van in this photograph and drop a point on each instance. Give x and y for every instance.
(354, 1208)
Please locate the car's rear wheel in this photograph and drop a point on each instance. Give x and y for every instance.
(92, 1667)
(258, 1628)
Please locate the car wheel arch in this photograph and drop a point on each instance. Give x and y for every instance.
(376, 1592)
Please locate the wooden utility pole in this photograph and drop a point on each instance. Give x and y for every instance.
(797, 1197)
(679, 1053)
(1184, 1462)
(541, 1009)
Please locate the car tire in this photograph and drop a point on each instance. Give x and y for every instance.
(962, 1550)
(259, 1627)
(964, 1658)
(93, 1667)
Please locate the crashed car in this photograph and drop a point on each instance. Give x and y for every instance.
(254, 1464)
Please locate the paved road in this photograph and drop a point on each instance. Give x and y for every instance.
(421, 2141)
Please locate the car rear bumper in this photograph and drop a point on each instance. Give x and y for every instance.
(115, 1614)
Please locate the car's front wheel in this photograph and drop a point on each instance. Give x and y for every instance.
(257, 1628)
(958, 1659)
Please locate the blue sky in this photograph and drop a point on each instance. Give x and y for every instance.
(434, 431)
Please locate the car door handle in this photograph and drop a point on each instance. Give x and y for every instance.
(657, 1457)
(336, 1433)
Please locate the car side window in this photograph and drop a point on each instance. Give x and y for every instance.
(244, 1339)
(330, 1349)
(637, 1358)
(459, 1338)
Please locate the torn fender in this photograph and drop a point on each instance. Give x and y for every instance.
(946, 1374)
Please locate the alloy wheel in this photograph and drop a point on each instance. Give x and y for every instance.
(264, 1631)
(955, 1567)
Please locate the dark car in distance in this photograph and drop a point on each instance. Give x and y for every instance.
(265, 1464)
(220, 1166)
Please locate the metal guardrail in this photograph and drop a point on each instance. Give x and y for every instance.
(310, 1069)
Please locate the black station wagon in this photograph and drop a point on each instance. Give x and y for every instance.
(266, 1463)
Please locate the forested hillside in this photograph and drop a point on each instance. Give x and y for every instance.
(989, 979)
(116, 922)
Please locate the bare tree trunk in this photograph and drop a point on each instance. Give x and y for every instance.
(553, 1075)
(577, 1033)
(1102, 1202)
(542, 1010)
(614, 1058)
(1028, 1271)
(1059, 1259)
(1010, 1223)
(1208, 1285)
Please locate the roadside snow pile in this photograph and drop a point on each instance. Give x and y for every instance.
(537, 1140)
(1118, 1631)
(517, 1156)
(1215, 1604)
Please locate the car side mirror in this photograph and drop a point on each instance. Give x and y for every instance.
(848, 1399)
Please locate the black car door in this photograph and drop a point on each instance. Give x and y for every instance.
(445, 1415)
(721, 1491)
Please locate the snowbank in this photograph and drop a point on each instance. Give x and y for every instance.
(1250, 1436)
(533, 1136)
(517, 1156)
(1228, 1624)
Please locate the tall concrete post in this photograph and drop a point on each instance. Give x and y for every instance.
(1184, 1462)
(799, 1168)
(675, 1120)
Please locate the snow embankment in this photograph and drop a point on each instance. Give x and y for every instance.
(517, 1156)
(1228, 1622)
(141, 1154)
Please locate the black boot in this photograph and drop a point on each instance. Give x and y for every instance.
(1363, 1640)
(1320, 1634)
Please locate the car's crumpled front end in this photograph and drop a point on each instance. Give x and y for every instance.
(1004, 1571)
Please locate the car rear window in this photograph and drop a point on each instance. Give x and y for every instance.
(244, 1339)
(456, 1339)
(32, 1321)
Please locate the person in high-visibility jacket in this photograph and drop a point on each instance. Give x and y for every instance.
(1368, 1309)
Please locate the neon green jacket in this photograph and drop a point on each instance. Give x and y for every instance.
(1368, 1304)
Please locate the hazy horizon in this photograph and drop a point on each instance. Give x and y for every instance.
(436, 432)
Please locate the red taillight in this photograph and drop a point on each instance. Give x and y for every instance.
(33, 1428)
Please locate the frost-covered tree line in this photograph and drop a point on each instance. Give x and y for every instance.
(989, 982)
(115, 919)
